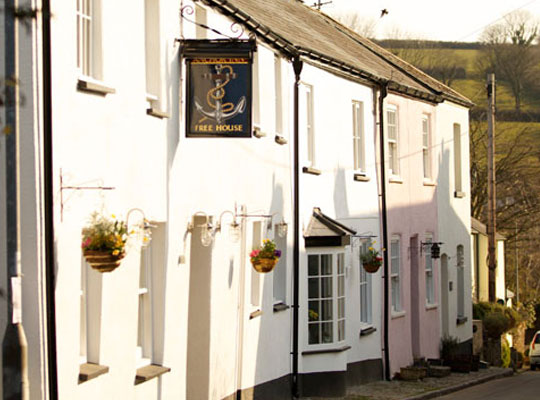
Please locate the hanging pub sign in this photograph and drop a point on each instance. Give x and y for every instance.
(218, 88)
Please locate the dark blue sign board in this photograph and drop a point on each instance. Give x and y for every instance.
(219, 96)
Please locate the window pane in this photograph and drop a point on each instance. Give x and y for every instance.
(313, 288)
(341, 308)
(341, 285)
(326, 264)
(341, 330)
(326, 287)
(313, 265)
(326, 310)
(327, 333)
(314, 334)
(341, 263)
(314, 311)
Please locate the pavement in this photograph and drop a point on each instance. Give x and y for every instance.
(427, 388)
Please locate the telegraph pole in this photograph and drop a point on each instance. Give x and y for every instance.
(491, 223)
(14, 346)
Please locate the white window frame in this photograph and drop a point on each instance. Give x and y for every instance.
(426, 146)
(258, 233)
(152, 29)
(395, 273)
(359, 142)
(337, 297)
(84, 315)
(145, 320)
(429, 271)
(460, 265)
(392, 129)
(89, 38)
(458, 173)
(365, 287)
(279, 278)
(311, 148)
(278, 92)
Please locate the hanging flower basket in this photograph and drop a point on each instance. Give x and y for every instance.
(371, 267)
(264, 265)
(371, 260)
(103, 261)
(103, 242)
(265, 258)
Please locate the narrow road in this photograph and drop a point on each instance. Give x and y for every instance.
(524, 386)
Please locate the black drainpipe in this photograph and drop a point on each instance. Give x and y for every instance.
(382, 94)
(48, 200)
(297, 66)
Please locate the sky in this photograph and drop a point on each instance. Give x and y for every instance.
(454, 20)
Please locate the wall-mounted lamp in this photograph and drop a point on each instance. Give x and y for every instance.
(208, 230)
(282, 228)
(435, 248)
(143, 229)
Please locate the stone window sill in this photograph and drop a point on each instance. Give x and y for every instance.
(255, 314)
(361, 177)
(431, 306)
(461, 320)
(149, 372)
(459, 195)
(94, 87)
(367, 331)
(88, 371)
(396, 179)
(311, 170)
(326, 351)
(398, 314)
(280, 140)
(154, 112)
(429, 182)
(280, 307)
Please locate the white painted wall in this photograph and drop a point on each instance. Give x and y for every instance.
(454, 213)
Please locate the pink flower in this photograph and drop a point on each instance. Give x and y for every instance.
(86, 242)
(254, 253)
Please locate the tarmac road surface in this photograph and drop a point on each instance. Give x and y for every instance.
(523, 386)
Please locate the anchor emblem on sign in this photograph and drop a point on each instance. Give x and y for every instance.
(220, 111)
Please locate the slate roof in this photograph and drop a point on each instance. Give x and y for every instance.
(295, 29)
(325, 231)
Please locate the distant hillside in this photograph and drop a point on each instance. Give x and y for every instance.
(456, 64)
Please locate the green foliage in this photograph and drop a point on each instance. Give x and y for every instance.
(449, 347)
(497, 319)
(104, 234)
(505, 354)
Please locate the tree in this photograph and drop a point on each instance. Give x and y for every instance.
(364, 26)
(510, 52)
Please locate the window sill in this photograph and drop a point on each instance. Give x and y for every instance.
(149, 372)
(280, 140)
(461, 320)
(432, 306)
(428, 182)
(280, 307)
(361, 177)
(94, 87)
(311, 170)
(255, 314)
(157, 113)
(258, 133)
(459, 195)
(325, 351)
(395, 179)
(398, 314)
(89, 371)
(367, 331)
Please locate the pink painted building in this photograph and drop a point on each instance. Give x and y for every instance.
(412, 169)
